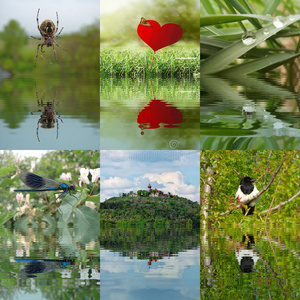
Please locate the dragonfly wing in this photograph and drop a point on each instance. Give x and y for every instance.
(38, 182)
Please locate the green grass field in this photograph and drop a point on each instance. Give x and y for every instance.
(170, 62)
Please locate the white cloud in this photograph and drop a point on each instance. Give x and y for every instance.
(173, 182)
(115, 183)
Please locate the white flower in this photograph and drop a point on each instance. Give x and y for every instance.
(95, 174)
(66, 176)
(19, 197)
(32, 166)
(84, 176)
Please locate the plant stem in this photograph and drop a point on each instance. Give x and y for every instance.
(151, 61)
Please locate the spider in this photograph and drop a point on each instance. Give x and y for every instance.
(47, 31)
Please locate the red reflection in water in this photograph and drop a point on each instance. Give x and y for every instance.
(156, 112)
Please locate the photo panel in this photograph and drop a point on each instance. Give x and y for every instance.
(49, 75)
(149, 75)
(50, 223)
(150, 222)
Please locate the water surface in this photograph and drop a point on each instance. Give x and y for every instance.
(250, 263)
(46, 113)
(249, 113)
(145, 114)
(48, 263)
(150, 264)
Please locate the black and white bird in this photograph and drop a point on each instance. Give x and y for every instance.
(246, 191)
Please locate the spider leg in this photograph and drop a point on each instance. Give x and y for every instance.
(59, 46)
(55, 53)
(57, 23)
(37, 131)
(59, 32)
(36, 38)
(37, 20)
(42, 48)
(37, 96)
(37, 53)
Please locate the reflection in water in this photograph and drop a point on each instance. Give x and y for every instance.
(124, 101)
(49, 116)
(248, 113)
(40, 262)
(247, 254)
(79, 112)
(36, 266)
(156, 112)
(150, 263)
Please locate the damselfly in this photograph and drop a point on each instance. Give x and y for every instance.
(41, 184)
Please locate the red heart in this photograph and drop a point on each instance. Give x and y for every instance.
(158, 37)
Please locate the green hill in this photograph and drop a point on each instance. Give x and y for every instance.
(141, 210)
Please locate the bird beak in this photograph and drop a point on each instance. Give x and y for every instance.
(252, 180)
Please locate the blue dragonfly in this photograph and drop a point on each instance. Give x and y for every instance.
(41, 184)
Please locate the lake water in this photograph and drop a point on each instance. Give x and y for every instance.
(145, 114)
(150, 264)
(46, 113)
(250, 263)
(49, 263)
(249, 113)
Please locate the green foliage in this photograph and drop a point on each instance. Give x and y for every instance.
(172, 62)
(119, 28)
(254, 164)
(158, 211)
(14, 39)
(223, 25)
(80, 59)
(42, 205)
(147, 238)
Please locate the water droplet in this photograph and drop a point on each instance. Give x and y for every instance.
(266, 31)
(249, 38)
(291, 17)
(279, 21)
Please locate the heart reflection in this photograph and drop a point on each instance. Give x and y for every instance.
(157, 112)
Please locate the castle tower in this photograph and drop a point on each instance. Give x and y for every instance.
(149, 188)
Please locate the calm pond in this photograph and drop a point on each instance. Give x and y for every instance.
(46, 113)
(257, 263)
(249, 113)
(49, 263)
(149, 114)
(154, 263)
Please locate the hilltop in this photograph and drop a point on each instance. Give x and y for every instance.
(155, 207)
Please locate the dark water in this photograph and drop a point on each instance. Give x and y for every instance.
(48, 113)
(149, 264)
(249, 113)
(157, 114)
(250, 264)
(49, 263)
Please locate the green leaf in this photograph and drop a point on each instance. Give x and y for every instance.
(4, 218)
(221, 19)
(219, 61)
(264, 64)
(4, 171)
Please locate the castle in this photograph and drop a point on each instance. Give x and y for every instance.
(152, 193)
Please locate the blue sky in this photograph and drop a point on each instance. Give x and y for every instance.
(170, 171)
(72, 14)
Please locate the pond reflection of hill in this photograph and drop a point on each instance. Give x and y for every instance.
(141, 242)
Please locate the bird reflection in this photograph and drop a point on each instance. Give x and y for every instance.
(156, 112)
(49, 116)
(247, 254)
